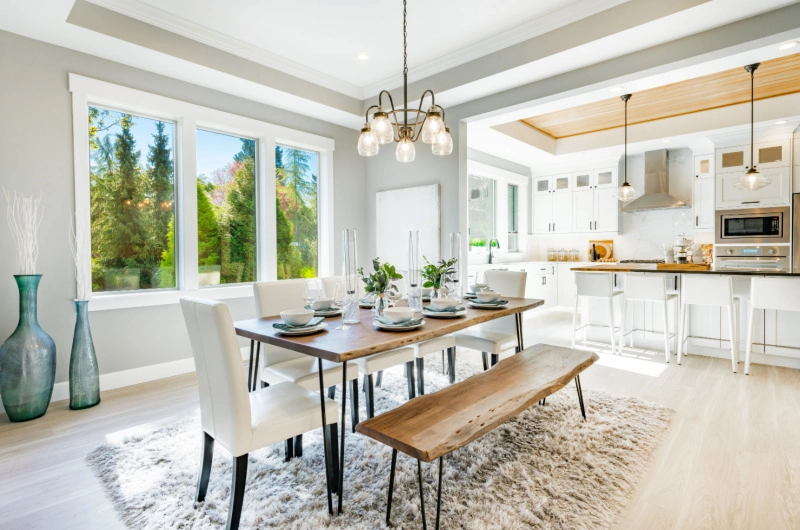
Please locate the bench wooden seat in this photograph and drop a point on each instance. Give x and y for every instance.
(433, 425)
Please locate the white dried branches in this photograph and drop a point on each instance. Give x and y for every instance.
(24, 217)
(79, 243)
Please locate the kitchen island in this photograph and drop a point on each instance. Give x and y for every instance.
(776, 333)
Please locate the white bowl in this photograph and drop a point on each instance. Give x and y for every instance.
(398, 315)
(426, 291)
(488, 296)
(444, 303)
(297, 317)
(322, 303)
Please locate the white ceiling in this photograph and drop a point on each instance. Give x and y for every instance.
(320, 40)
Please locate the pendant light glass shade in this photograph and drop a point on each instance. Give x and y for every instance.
(405, 150)
(367, 143)
(443, 143)
(752, 180)
(382, 127)
(433, 125)
(626, 192)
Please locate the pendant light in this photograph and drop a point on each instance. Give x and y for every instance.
(752, 180)
(428, 126)
(626, 192)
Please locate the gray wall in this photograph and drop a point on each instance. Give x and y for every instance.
(36, 156)
(502, 163)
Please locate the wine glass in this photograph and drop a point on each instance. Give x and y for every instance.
(447, 286)
(312, 291)
(338, 301)
(393, 293)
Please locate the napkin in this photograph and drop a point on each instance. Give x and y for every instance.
(496, 302)
(286, 327)
(387, 322)
(329, 310)
(433, 309)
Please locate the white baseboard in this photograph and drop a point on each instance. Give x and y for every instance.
(134, 376)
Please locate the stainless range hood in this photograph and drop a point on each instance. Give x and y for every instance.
(656, 185)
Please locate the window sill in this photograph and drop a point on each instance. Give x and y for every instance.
(128, 300)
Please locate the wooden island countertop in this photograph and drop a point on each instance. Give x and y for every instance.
(651, 267)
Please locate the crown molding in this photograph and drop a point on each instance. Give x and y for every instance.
(180, 26)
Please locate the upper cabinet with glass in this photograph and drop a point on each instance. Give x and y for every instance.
(703, 166)
(596, 178)
(767, 154)
(552, 184)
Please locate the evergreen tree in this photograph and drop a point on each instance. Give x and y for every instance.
(207, 229)
(241, 200)
(161, 176)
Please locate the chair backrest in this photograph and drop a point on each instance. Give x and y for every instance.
(274, 297)
(507, 283)
(594, 284)
(707, 289)
(224, 403)
(646, 286)
(782, 294)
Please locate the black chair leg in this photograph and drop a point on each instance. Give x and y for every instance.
(332, 392)
(205, 467)
(288, 449)
(264, 384)
(379, 379)
(391, 486)
(420, 376)
(485, 358)
(250, 366)
(238, 482)
(451, 364)
(495, 359)
(332, 432)
(354, 403)
(410, 379)
(369, 396)
(255, 367)
(298, 446)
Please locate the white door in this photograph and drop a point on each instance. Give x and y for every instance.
(543, 213)
(606, 210)
(562, 212)
(583, 211)
(703, 203)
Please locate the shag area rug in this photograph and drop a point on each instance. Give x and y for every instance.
(545, 469)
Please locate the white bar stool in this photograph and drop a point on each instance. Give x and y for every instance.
(714, 291)
(594, 285)
(647, 288)
(779, 294)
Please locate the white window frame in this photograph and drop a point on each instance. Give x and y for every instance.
(188, 118)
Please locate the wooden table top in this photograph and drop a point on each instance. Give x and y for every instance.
(434, 425)
(364, 339)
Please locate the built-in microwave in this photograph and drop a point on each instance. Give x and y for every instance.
(753, 226)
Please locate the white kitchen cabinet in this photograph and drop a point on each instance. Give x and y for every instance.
(772, 154)
(777, 193)
(732, 159)
(552, 209)
(703, 203)
(595, 210)
(595, 179)
(704, 166)
(562, 212)
(542, 283)
(552, 183)
(542, 213)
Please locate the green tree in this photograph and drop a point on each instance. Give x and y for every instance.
(241, 200)
(207, 229)
(161, 182)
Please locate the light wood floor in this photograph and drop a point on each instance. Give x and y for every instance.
(730, 460)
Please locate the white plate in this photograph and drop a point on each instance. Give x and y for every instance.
(486, 306)
(309, 331)
(328, 313)
(435, 314)
(380, 325)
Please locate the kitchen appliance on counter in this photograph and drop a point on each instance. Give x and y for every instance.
(753, 226)
(752, 258)
(682, 245)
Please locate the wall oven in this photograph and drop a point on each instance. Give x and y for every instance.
(753, 226)
(755, 258)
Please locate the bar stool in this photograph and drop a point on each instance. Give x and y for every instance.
(713, 291)
(648, 288)
(594, 285)
(779, 294)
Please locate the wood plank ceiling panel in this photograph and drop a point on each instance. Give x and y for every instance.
(776, 77)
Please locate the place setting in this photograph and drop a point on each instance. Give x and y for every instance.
(398, 319)
(444, 308)
(299, 322)
(487, 300)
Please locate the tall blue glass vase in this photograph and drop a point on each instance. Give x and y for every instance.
(27, 359)
(84, 378)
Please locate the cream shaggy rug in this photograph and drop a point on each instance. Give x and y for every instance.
(546, 469)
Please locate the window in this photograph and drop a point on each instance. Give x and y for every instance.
(132, 194)
(296, 173)
(181, 197)
(513, 206)
(226, 209)
(481, 211)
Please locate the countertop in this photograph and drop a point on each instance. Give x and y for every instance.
(651, 267)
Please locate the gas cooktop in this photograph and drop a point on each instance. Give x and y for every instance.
(642, 261)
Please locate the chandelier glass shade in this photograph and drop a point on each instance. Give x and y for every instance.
(752, 180)
(405, 125)
(626, 192)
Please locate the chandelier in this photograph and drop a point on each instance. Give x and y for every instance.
(394, 125)
(626, 192)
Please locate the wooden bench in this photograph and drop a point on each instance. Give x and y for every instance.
(433, 425)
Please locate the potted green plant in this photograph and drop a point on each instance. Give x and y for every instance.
(435, 273)
(377, 281)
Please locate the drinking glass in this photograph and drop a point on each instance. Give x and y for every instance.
(312, 291)
(414, 276)
(393, 293)
(338, 301)
(447, 286)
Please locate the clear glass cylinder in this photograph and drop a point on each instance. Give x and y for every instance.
(414, 275)
(455, 252)
(350, 310)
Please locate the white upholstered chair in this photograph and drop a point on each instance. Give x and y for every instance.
(239, 420)
(499, 335)
(280, 364)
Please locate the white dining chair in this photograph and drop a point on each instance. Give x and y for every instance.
(777, 294)
(279, 364)
(499, 335)
(242, 421)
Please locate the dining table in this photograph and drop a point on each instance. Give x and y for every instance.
(364, 339)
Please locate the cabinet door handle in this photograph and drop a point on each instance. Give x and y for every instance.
(696, 220)
(554, 227)
(542, 280)
(590, 225)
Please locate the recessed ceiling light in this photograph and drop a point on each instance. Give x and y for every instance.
(363, 56)
(618, 88)
(787, 45)
(780, 122)
(504, 117)
(667, 140)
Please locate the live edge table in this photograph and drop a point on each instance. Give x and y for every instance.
(364, 339)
